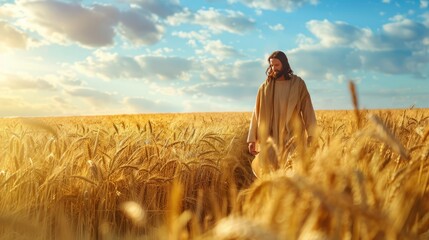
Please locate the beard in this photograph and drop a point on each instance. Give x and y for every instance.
(277, 74)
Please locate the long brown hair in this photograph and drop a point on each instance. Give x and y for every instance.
(286, 69)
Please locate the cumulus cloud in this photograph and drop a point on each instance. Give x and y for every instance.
(341, 48)
(212, 69)
(94, 97)
(62, 22)
(425, 17)
(165, 68)
(251, 72)
(215, 19)
(215, 104)
(110, 66)
(72, 82)
(219, 49)
(200, 36)
(228, 90)
(202, 42)
(405, 30)
(12, 37)
(89, 26)
(141, 104)
(171, 90)
(18, 82)
(161, 8)
(277, 27)
(285, 5)
(139, 29)
(336, 33)
(8, 11)
(400, 33)
(317, 62)
(229, 82)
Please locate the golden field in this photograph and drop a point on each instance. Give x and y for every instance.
(188, 176)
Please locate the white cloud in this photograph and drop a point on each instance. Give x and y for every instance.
(110, 66)
(200, 36)
(277, 27)
(405, 30)
(227, 82)
(239, 72)
(315, 62)
(184, 16)
(303, 40)
(139, 29)
(212, 69)
(94, 97)
(161, 8)
(214, 47)
(165, 90)
(285, 5)
(343, 49)
(63, 22)
(165, 68)
(71, 82)
(89, 26)
(141, 104)
(219, 50)
(228, 90)
(12, 37)
(385, 1)
(250, 72)
(215, 104)
(425, 17)
(8, 11)
(399, 34)
(21, 82)
(214, 19)
(337, 33)
(161, 51)
(424, 3)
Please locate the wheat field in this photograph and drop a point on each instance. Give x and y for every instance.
(188, 176)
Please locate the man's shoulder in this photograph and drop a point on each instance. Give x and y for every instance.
(297, 78)
(262, 85)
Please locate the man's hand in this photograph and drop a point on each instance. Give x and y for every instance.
(252, 148)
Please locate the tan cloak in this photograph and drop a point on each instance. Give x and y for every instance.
(277, 103)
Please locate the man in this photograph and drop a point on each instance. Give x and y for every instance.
(283, 112)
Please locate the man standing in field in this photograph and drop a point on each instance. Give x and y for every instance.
(283, 112)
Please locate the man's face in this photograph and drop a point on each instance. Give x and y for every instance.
(276, 66)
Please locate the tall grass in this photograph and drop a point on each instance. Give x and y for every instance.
(181, 176)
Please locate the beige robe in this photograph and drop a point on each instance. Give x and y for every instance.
(274, 113)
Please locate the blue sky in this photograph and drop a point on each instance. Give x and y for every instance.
(61, 58)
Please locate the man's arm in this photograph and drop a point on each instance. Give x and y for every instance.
(252, 136)
(308, 113)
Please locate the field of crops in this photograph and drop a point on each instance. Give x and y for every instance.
(183, 176)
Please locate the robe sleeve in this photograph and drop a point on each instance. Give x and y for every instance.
(253, 128)
(307, 111)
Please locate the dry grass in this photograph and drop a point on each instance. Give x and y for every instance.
(181, 176)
